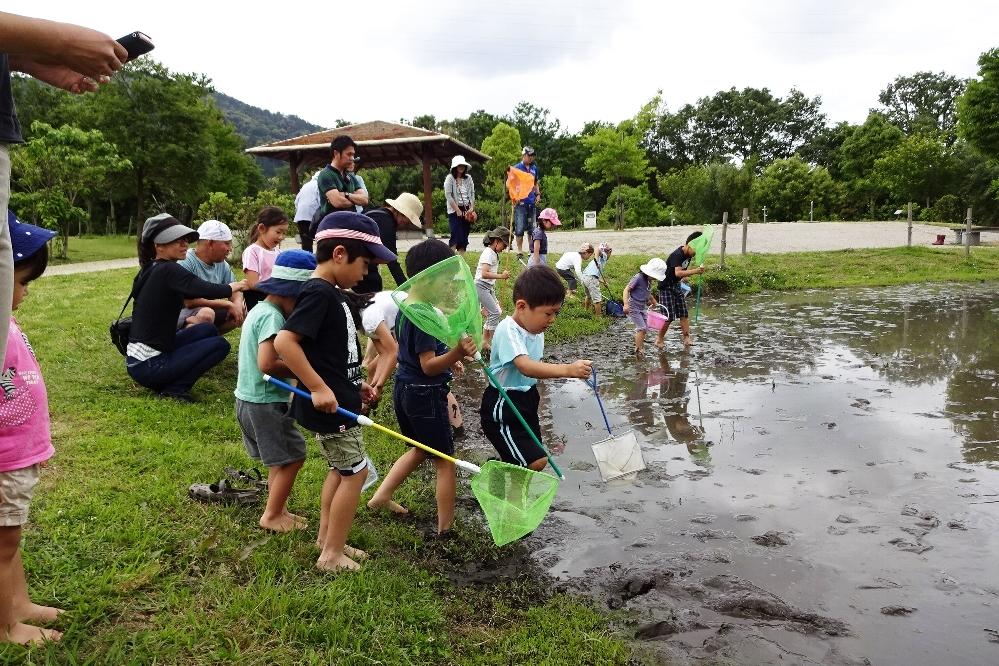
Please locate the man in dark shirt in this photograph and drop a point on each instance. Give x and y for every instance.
(395, 214)
(670, 293)
(338, 186)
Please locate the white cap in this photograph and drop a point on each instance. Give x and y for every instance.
(213, 230)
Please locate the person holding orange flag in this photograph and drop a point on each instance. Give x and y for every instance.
(525, 210)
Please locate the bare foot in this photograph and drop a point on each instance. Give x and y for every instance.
(687, 342)
(26, 634)
(297, 518)
(377, 503)
(36, 613)
(355, 553)
(343, 563)
(660, 344)
(281, 524)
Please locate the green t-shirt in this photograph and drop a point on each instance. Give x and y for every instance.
(263, 323)
(331, 179)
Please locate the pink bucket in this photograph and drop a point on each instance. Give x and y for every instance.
(656, 320)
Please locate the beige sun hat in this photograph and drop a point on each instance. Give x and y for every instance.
(410, 206)
(459, 160)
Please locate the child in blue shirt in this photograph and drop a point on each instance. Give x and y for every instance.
(518, 345)
(420, 397)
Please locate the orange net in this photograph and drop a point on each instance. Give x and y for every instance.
(519, 183)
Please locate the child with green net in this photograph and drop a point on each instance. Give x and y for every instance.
(420, 394)
(518, 345)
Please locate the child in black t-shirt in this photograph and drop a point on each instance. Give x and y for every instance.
(670, 293)
(420, 397)
(319, 346)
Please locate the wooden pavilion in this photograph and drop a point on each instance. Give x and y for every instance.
(379, 143)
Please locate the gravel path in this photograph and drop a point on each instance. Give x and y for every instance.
(770, 237)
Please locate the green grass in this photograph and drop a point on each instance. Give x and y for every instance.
(151, 577)
(95, 248)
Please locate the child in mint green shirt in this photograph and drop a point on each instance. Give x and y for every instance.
(269, 432)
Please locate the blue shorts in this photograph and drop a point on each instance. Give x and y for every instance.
(525, 217)
(421, 410)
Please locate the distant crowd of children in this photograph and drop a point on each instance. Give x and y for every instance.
(303, 323)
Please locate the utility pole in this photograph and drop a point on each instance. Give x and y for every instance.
(724, 233)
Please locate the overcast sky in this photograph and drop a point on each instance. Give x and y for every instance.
(582, 59)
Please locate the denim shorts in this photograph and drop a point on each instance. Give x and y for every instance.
(525, 217)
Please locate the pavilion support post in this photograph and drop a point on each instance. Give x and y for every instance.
(293, 163)
(428, 193)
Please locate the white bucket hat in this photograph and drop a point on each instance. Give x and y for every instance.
(656, 269)
(459, 160)
(410, 206)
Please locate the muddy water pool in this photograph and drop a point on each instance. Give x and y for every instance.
(822, 481)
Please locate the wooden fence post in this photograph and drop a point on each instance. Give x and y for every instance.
(967, 236)
(724, 234)
(745, 228)
(908, 241)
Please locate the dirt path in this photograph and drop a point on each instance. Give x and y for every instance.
(769, 238)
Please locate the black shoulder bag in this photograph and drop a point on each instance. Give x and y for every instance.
(121, 327)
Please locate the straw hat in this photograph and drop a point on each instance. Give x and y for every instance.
(656, 269)
(410, 206)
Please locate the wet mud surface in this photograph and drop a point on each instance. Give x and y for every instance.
(822, 481)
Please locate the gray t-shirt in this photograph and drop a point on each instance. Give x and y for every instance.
(220, 273)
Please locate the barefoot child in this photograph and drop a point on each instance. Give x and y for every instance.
(638, 297)
(485, 280)
(516, 362)
(420, 397)
(319, 346)
(671, 294)
(269, 432)
(25, 444)
(547, 220)
(265, 245)
(593, 277)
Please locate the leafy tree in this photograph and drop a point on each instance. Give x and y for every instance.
(615, 157)
(537, 129)
(826, 148)
(218, 206)
(691, 193)
(504, 147)
(978, 108)
(565, 194)
(57, 171)
(945, 209)
(924, 103)
(787, 187)
(858, 154)
(918, 169)
(640, 208)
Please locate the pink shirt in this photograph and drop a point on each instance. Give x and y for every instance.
(24, 407)
(257, 258)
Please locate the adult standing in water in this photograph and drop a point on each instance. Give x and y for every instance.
(525, 212)
(459, 192)
(159, 356)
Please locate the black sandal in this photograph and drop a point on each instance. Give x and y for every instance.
(223, 493)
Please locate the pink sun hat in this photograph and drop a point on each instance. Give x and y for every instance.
(550, 215)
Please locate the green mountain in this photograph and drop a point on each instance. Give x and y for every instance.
(258, 126)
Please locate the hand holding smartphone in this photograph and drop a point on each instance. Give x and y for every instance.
(137, 44)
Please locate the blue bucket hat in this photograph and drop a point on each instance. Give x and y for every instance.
(26, 239)
(291, 269)
(348, 224)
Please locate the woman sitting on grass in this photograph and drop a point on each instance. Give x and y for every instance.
(159, 356)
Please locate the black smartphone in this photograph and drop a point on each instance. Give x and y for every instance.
(137, 44)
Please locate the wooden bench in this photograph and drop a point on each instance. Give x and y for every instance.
(974, 236)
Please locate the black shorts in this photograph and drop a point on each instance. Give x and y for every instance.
(503, 429)
(421, 410)
(673, 302)
(569, 276)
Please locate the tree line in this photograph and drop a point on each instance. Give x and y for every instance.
(156, 140)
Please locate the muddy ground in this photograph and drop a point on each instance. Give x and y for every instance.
(822, 481)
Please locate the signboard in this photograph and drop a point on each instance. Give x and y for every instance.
(590, 219)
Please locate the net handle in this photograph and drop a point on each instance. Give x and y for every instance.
(599, 401)
(365, 421)
(516, 412)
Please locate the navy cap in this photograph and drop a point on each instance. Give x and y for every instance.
(291, 270)
(26, 239)
(348, 224)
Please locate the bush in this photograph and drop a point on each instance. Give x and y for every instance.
(641, 209)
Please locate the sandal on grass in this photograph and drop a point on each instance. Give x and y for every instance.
(223, 493)
(251, 476)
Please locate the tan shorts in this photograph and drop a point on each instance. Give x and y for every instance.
(344, 451)
(592, 285)
(16, 489)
